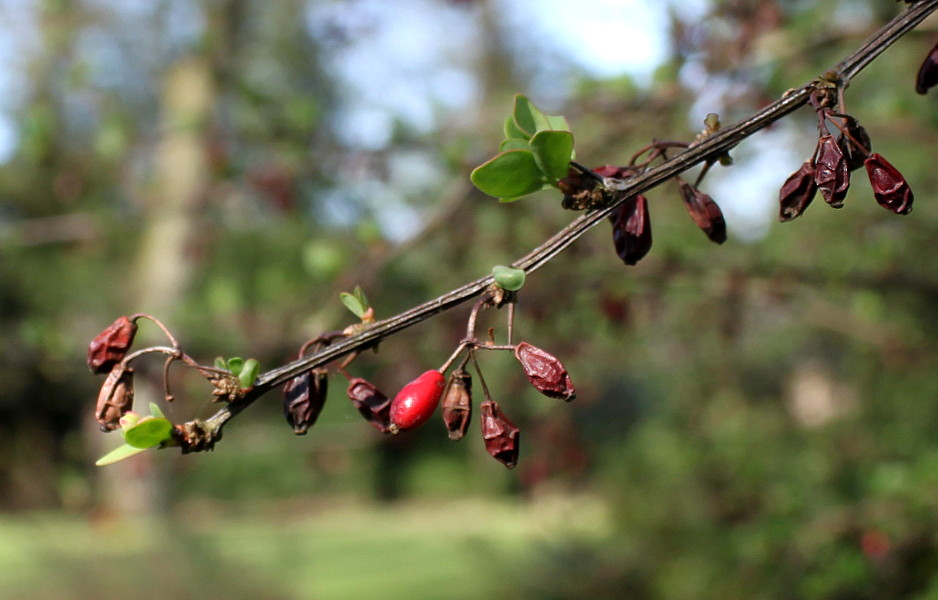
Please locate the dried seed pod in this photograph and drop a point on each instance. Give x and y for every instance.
(848, 140)
(111, 345)
(371, 403)
(415, 403)
(457, 404)
(704, 211)
(927, 76)
(797, 193)
(500, 435)
(303, 399)
(831, 173)
(631, 229)
(116, 398)
(889, 186)
(545, 372)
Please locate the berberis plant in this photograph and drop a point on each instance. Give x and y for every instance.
(536, 154)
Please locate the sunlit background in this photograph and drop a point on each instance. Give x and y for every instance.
(754, 420)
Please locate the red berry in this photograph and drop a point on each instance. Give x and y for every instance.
(416, 401)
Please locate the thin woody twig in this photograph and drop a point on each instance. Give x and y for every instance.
(707, 149)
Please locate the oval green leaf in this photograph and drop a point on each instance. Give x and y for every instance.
(509, 175)
(528, 117)
(353, 304)
(117, 454)
(508, 277)
(156, 412)
(235, 364)
(249, 373)
(513, 144)
(552, 151)
(512, 132)
(149, 432)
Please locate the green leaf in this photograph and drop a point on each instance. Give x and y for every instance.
(249, 373)
(552, 151)
(512, 132)
(509, 174)
(235, 364)
(513, 144)
(558, 123)
(353, 304)
(118, 454)
(528, 117)
(508, 277)
(156, 412)
(359, 293)
(220, 363)
(149, 432)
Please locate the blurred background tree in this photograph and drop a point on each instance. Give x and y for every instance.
(754, 420)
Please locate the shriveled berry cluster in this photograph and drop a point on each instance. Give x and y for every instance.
(305, 395)
(109, 353)
(829, 166)
(631, 222)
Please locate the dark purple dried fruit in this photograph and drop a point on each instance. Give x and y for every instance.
(797, 193)
(116, 398)
(927, 76)
(830, 171)
(848, 140)
(889, 186)
(500, 435)
(111, 345)
(704, 211)
(545, 372)
(371, 403)
(631, 229)
(303, 399)
(457, 404)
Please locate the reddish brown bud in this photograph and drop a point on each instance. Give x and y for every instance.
(704, 211)
(797, 193)
(457, 404)
(831, 173)
(631, 229)
(303, 399)
(928, 73)
(854, 142)
(111, 345)
(116, 398)
(889, 186)
(371, 403)
(500, 435)
(545, 372)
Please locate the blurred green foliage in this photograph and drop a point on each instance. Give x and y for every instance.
(754, 420)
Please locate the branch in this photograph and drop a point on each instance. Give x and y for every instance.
(708, 149)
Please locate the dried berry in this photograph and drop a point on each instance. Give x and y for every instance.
(457, 404)
(545, 372)
(303, 399)
(889, 186)
(831, 173)
(416, 401)
(631, 229)
(116, 398)
(371, 403)
(704, 211)
(111, 345)
(928, 73)
(854, 142)
(500, 435)
(797, 193)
